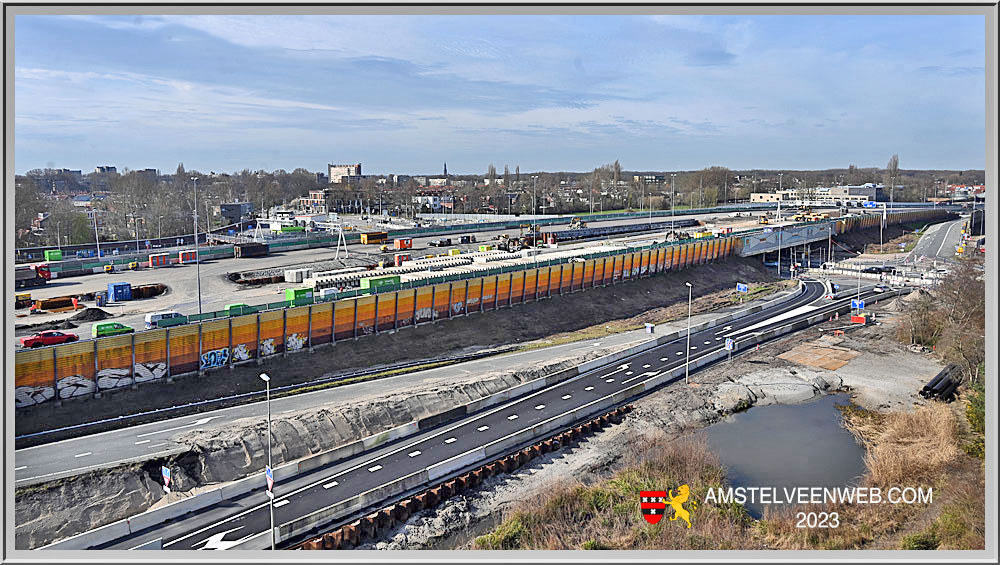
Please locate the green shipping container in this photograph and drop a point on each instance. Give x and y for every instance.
(378, 282)
(53, 255)
(298, 294)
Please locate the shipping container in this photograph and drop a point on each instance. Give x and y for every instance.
(298, 296)
(374, 237)
(188, 256)
(400, 257)
(250, 249)
(291, 229)
(119, 291)
(402, 243)
(452, 252)
(375, 283)
(53, 255)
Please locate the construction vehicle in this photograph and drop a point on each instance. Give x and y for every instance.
(109, 269)
(27, 276)
(762, 220)
(383, 249)
(133, 266)
(576, 223)
(22, 300)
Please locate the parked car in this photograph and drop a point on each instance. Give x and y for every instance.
(441, 242)
(873, 270)
(153, 319)
(105, 329)
(880, 288)
(50, 337)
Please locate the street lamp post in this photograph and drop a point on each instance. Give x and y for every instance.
(270, 495)
(135, 221)
(672, 175)
(197, 254)
(159, 229)
(97, 238)
(687, 364)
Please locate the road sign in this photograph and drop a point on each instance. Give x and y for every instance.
(836, 286)
(270, 480)
(741, 287)
(859, 304)
(868, 204)
(729, 343)
(166, 478)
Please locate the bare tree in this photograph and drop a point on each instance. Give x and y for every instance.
(891, 170)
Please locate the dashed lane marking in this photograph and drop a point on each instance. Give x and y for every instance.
(415, 453)
(84, 454)
(330, 484)
(589, 388)
(375, 468)
(512, 417)
(281, 503)
(482, 428)
(539, 407)
(450, 440)
(610, 381)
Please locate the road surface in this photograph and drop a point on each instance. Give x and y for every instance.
(220, 526)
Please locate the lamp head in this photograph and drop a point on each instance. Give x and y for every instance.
(264, 377)
(687, 284)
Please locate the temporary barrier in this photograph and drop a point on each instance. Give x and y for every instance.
(188, 256)
(86, 368)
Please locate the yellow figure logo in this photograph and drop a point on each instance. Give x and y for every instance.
(677, 503)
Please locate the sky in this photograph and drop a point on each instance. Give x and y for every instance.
(404, 94)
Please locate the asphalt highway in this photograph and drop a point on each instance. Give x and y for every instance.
(939, 242)
(223, 525)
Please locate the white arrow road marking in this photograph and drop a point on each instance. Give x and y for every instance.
(216, 541)
(618, 370)
(195, 423)
(646, 374)
(331, 484)
(281, 503)
(84, 454)
(724, 330)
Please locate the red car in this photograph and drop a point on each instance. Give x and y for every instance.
(50, 337)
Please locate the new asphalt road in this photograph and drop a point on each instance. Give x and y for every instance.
(232, 521)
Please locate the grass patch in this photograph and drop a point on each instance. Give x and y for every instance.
(922, 540)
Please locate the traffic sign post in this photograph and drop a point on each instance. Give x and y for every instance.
(730, 345)
(857, 304)
(166, 479)
(270, 482)
(742, 288)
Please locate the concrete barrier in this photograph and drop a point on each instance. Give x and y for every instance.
(456, 463)
(94, 537)
(173, 510)
(346, 507)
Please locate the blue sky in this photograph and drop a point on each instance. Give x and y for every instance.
(405, 93)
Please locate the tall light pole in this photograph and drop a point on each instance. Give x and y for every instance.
(159, 229)
(135, 222)
(672, 175)
(97, 238)
(687, 364)
(270, 495)
(197, 254)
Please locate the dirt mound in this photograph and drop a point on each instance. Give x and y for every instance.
(43, 326)
(90, 315)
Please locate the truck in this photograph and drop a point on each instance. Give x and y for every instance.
(374, 237)
(250, 249)
(27, 276)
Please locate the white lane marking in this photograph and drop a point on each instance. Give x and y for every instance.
(646, 366)
(330, 484)
(71, 471)
(21, 467)
(512, 417)
(694, 347)
(215, 541)
(718, 339)
(155, 446)
(646, 374)
(589, 388)
(567, 397)
(539, 407)
(618, 370)
(708, 343)
(375, 468)
(724, 330)
(84, 454)
(663, 358)
(790, 314)
(195, 423)
(680, 353)
(281, 503)
(415, 453)
(945, 239)
(610, 381)
(482, 428)
(142, 442)
(627, 373)
(450, 440)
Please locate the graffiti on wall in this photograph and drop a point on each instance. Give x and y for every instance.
(215, 358)
(241, 353)
(295, 342)
(267, 347)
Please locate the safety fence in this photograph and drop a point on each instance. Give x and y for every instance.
(85, 369)
(88, 367)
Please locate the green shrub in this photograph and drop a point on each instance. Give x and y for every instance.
(923, 540)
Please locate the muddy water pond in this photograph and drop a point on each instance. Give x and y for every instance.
(785, 446)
